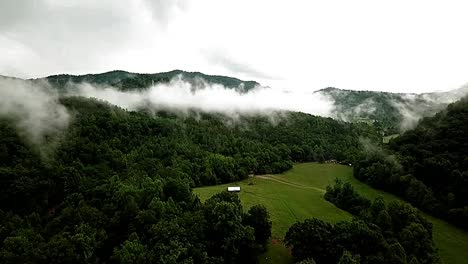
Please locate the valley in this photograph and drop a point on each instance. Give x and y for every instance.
(298, 194)
(227, 132)
(126, 175)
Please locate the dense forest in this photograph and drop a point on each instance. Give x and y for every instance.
(428, 166)
(393, 233)
(115, 186)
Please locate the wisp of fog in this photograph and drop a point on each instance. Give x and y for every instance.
(413, 107)
(33, 107)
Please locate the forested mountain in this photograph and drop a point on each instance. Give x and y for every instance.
(129, 81)
(428, 166)
(115, 185)
(390, 112)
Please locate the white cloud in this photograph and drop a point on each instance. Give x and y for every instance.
(33, 107)
(181, 95)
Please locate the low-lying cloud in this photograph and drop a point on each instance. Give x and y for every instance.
(350, 114)
(33, 107)
(181, 95)
(413, 107)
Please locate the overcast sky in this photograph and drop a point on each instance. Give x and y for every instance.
(400, 46)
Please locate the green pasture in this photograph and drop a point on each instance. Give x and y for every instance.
(298, 194)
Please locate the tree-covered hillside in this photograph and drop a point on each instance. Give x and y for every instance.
(115, 185)
(389, 112)
(129, 81)
(430, 165)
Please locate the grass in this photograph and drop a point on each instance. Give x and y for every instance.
(298, 194)
(387, 139)
(276, 253)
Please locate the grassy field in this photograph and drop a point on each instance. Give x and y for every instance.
(298, 194)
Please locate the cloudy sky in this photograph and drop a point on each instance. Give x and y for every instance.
(411, 46)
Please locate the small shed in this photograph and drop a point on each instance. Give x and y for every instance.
(233, 189)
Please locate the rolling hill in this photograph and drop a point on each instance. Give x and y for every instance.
(115, 185)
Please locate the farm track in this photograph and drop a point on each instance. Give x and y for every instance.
(268, 177)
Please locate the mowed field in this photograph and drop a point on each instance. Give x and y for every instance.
(298, 194)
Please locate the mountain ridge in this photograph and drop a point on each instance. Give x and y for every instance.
(390, 112)
(129, 80)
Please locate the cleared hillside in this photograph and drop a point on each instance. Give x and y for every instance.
(298, 194)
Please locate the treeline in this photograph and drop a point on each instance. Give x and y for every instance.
(393, 233)
(130, 81)
(427, 166)
(116, 185)
(137, 221)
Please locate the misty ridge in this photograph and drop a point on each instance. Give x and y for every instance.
(34, 105)
(392, 112)
(182, 95)
(413, 107)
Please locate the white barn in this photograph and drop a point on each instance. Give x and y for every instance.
(233, 189)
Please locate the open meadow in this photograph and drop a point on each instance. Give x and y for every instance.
(298, 194)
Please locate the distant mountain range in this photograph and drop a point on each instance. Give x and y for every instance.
(128, 81)
(391, 113)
